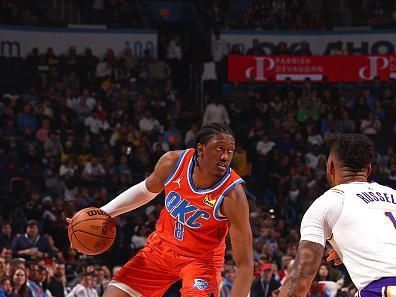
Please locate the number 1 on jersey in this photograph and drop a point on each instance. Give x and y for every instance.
(391, 217)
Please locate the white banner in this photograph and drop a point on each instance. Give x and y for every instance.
(19, 41)
(356, 42)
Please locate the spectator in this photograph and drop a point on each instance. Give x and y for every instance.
(304, 49)
(286, 260)
(3, 269)
(68, 169)
(240, 163)
(95, 124)
(235, 50)
(93, 170)
(313, 157)
(5, 287)
(215, 112)
(34, 279)
(371, 125)
(279, 12)
(130, 61)
(6, 253)
(172, 135)
(265, 284)
(32, 245)
(281, 49)
(84, 288)
(323, 277)
(19, 285)
(191, 135)
(228, 278)
(148, 124)
(264, 146)
(26, 119)
(338, 50)
(139, 239)
(218, 48)
(57, 282)
(42, 133)
(255, 49)
(5, 235)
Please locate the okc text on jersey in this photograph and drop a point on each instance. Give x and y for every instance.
(185, 212)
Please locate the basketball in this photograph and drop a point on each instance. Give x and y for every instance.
(91, 231)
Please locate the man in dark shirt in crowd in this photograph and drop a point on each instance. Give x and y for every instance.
(57, 282)
(5, 235)
(255, 49)
(31, 245)
(266, 284)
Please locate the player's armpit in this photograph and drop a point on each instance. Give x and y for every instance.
(305, 267)
(236, 209)
(163, 168)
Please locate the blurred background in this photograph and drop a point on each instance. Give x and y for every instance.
(93, 93)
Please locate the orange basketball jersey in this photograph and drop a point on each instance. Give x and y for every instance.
(191, 221)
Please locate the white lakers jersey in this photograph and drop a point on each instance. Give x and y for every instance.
(359, 220)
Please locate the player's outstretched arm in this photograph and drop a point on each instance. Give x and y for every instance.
(144, 191)
(305, 267)
(236, 209)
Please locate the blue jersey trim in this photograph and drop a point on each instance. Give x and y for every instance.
(216, 211)
(207, 190)
(175, 168)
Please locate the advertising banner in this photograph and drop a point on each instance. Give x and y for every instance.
(335, 68)
(19, 41)
(356, 42)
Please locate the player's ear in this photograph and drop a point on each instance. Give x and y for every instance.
(331, 168)
(369, 170)
(199, 149)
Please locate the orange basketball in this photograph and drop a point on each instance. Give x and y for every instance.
(91, 231)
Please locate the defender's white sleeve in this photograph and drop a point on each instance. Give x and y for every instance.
(320, 218)
(130, 199)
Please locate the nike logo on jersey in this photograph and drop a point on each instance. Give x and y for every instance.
(185, 212)
(177, 181)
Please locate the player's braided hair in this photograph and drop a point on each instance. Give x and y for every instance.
(209, 131)
(355, 151)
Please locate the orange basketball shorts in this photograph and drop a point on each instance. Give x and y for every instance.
(156, 267)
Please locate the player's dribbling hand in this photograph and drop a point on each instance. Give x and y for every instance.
(333, 256)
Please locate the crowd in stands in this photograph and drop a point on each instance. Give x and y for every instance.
(13, 12)
(76, 130)
(113, 13)
(295, 15)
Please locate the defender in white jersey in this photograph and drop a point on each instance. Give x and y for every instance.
(358, 218)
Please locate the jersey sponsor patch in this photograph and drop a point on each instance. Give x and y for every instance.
(209, 200)
(200, 284)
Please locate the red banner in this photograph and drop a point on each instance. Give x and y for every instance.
(298, 68)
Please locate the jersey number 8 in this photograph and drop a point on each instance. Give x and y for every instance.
(179, 231)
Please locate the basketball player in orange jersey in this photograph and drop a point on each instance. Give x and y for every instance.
(204, 198)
